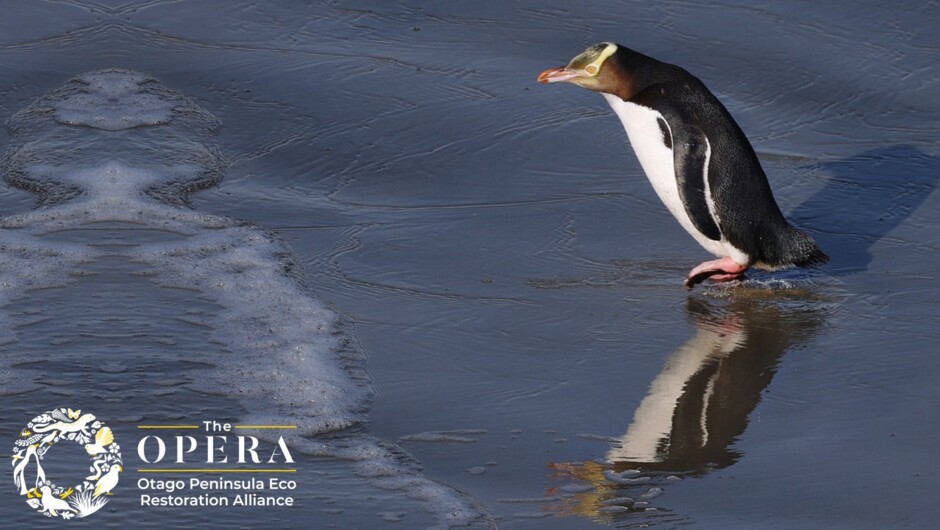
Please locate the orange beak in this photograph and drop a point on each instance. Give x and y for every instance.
(562, 73)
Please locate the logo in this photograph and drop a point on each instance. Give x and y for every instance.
(48, 429)
(219, 450)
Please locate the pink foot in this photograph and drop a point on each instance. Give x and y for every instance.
(719, 270)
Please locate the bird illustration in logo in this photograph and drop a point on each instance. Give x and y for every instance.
(52, 504)
(108, 481)
(19, 468)
(103, 438)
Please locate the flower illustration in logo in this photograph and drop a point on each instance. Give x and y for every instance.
(46, 430)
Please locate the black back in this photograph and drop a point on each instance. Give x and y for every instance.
(747, 214)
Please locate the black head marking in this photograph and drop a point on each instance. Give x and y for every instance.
(667, 138)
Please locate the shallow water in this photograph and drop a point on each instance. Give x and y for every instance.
(497, 261)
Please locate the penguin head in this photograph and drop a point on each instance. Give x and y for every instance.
(591, 69)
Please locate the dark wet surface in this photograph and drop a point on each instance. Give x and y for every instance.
(510, 275)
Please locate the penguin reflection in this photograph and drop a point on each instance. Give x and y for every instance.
(699, 404)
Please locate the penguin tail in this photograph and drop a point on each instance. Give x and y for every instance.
(800, 249)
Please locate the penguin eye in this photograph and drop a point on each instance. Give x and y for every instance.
(591, 69)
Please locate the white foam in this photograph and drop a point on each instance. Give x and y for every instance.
(288, 362)
(287, 359)
(110, 99)
(435, 436)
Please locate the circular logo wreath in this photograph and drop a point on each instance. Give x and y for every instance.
(46, 430)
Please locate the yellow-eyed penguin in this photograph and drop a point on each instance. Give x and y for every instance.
(697, 159)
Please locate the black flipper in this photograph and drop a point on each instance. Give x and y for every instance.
(751, 220)
(690, 149)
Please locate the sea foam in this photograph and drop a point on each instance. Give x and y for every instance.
(115, 146)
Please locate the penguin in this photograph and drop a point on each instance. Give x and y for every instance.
(19, 468)
(698, 160)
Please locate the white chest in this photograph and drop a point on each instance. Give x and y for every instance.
(646, 137)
